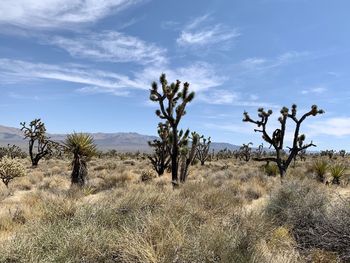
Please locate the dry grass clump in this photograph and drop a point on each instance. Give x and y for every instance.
(316, 219)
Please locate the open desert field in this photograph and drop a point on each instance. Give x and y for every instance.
(228, 210)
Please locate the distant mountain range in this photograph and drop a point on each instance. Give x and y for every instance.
(120, 141)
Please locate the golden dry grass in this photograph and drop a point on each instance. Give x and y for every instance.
(218, 215)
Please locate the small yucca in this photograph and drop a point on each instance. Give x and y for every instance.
(337, 171)
(10, 169)
(82, 147)
(271, 169)
(320, 167)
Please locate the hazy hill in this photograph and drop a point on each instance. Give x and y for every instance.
(121, 141)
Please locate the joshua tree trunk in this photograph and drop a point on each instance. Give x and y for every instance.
(79, 171)
(174, 157)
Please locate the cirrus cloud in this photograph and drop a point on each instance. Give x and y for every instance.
(46, 14)
(111, 46)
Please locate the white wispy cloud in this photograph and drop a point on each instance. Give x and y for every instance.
(252, 63)
(201, 76)
(337, 126)
(261, 64)
(57, 13)
(226, 97)
(199, 33)
(315, 90)
(111, 46)
(22, 71)
(219, 97)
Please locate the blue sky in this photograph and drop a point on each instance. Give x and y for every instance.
(87, 65)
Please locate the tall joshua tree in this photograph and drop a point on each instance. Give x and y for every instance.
(161, 157)
(203, 149)
(172, 103)
(82, 148)
(245, 151)
(276, 140)
(40, 145)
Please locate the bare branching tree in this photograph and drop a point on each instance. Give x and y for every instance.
(40, 145)
(203, 148)
(245, 151)
(276, 140)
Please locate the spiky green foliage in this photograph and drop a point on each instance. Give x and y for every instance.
(172, 103)
(10, 168)
(40, 144)
(337, 171)
(320, 167)
(203, 148)
(276, 140)
(82, 147)
(160, 159)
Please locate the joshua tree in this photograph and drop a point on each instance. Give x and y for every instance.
(10, 169)
(203, 149)
(161, 157)
(224, 154)
(260, 151)
(342, 153)
(82, 147)
(172, 104)
(329, 153)
(245, 151)
(39, 144)
(277, 139)
(187, 154)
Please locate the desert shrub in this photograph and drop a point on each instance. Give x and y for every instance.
(337, 171)
(110, 181)
(297, 203)
(320, 167)
(316, 220)
(253, 193)
(99, 168)
(12, 151)
(10, 169)
(147, 175)
(129, 162)
(271, 169)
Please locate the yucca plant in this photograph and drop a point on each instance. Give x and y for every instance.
(337, 171)
(271, 169)
(82, 147)
(320, 167)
